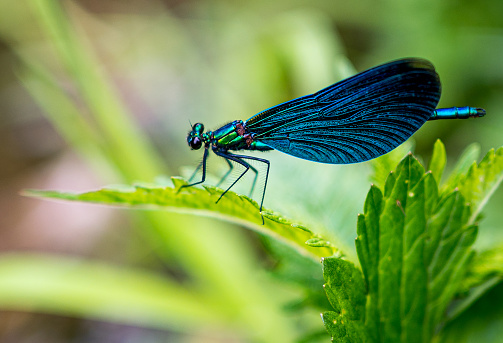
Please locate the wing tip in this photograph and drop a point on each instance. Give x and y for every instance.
(416, 63)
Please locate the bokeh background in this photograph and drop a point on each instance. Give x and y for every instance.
(94, 93)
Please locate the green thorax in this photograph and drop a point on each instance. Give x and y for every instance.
(233, 136)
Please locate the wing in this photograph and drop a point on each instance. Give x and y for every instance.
(355, 120)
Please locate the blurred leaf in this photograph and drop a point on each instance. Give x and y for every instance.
(482, 180)
(438, 161)
(64, 114)
(485, 271)
(90, 114)
(314, 337)
(383, 165)
(127, 146)
(232, 207)
(293, 269)
(483, 267)
(481, 289)
(96, 290)
(468, 157)
(477, 185)
(345, 290)
(483, 322)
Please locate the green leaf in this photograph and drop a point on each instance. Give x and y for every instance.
(467, 158)
(485, 271)
(438, 161)
(447, 254)
(97, 290)
(367, 246)
(482, 180)
(383, 165)
(482, 323)
(232, 207)
(484, 266)
(414, 247)
(129, 148)
(343, 329)
(345, 290)
(345, 287)
(294, 269)
(392, 248)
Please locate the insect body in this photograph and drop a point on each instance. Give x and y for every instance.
(355, 120)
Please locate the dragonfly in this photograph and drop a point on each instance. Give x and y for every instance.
(354, 120)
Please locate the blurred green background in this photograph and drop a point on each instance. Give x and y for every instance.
(94, 93)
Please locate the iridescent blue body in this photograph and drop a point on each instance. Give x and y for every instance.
(355, 120)
(457, 113)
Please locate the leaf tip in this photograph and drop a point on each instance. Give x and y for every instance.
(178, 182)
(29, 193)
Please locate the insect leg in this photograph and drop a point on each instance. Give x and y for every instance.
(254, 179)
(203, 164)
(231, 167)
(266, 175)
(195, 171)
(237, 160)
(226, 174)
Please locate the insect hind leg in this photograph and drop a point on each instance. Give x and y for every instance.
(254, 180)
(231, 167)
(236, 159)
(239, 159)
(266, 175)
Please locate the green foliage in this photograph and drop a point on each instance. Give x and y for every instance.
(111, 128)
(483, 322)
(468, 157)
(485, 266)
(485, 271)
(482, 180)
(232, 61)
(238, 209)
(95, 289)
(415, 248)
(414, 245)
(438, 161)
(382, 165)
(345, 290)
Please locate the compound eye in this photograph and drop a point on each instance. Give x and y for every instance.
(195, 143)
(198, 127)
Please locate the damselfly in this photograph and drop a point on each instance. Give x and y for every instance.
(354, 120)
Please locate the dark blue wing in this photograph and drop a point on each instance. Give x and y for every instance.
(355, 120)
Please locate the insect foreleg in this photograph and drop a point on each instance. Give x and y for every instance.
(203, 164)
